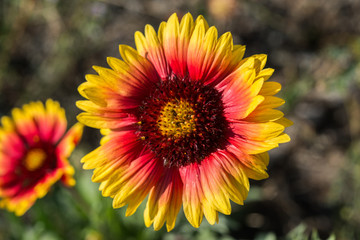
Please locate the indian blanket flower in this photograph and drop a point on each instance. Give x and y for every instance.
(33, 153)
(186, 121)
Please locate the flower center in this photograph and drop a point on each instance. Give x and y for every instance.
(177, 119)
(182, 121)
(34, 159)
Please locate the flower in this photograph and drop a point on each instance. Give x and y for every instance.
(186, 120)
(222, 10)
(33, 153)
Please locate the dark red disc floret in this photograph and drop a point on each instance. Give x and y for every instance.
(211, 125)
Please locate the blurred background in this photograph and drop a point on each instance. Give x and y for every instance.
(313, 192)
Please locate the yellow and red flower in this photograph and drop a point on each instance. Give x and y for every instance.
(186, 120)
(33, 153)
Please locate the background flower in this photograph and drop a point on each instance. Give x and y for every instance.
(34, 153)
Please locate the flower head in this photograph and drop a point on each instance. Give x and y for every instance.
(33, 153)
(186, 120)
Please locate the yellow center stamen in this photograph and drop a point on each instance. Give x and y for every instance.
(177, 119)
(34, 159)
